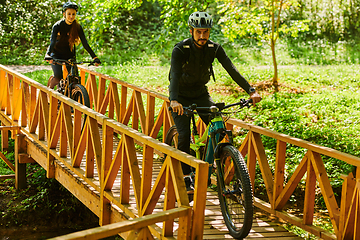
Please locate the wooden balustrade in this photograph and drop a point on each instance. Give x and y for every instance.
(89, 153)
(146, 112)
(344, 218)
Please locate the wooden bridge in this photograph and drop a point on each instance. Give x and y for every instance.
(113, 166)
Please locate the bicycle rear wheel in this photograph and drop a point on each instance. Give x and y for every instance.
(235, 192)
(79, 94)
(171, 139)
(49, 80)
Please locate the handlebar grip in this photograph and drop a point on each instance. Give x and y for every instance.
(170, 109)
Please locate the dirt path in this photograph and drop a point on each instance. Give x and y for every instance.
(31, 68)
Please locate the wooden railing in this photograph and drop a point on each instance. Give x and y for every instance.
(345, 219)
(105, 99)
(89, 153)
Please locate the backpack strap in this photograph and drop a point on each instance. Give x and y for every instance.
(184, 47)
(215, 48)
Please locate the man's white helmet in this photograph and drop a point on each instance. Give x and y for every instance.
(200, 20)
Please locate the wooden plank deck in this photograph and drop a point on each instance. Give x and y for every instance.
(214, 227)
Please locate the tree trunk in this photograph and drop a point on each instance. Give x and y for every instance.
(275, 77)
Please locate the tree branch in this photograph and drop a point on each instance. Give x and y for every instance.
(278, 20)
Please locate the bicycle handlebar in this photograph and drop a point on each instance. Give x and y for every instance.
(213, 109)
(71, 62)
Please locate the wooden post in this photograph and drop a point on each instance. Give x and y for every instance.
(279, 175)
(50, 170)
(105, 206)
(105, 209)
(20, 168)
(199, 201)
(4, 140)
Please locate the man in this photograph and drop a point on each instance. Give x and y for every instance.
(191, 68)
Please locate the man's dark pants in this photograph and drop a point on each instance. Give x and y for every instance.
(183, 124)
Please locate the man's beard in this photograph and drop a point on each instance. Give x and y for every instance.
(198, 42)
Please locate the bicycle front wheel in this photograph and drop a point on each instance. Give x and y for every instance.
(80, 94)
(235, 192)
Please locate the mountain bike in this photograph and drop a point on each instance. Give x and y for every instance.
(71, 85)
(215, 146)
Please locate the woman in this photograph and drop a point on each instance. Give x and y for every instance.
(65, 34)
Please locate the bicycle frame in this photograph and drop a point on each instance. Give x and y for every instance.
(232, 177)
(211, 136)
(73, 76)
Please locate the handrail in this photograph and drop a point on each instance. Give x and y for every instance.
(353, 160)
(124, 226)
(34, 107)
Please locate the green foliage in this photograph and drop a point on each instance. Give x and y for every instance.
(174, 17)
(332, 21)
(125, 27)
(325, 119)
(9, 154)
(120, 27)
(25, 28)
(262, 20)
(255, 21)
(126, 30)
(44, 201)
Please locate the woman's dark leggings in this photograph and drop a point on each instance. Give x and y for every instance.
(183, 124)
(58, 74)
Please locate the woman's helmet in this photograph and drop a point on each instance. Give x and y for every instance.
(71, 5)
(200, 20)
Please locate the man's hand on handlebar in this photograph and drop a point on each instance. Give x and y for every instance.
(255, 96)
(176, 107)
